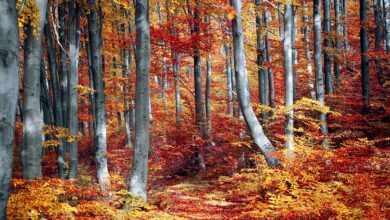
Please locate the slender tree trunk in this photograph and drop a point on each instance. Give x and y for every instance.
(294, 51)
(336, 62)
(198, 75)
(229, 73)
(261, 70)
(46, 103)
(364, 57)
(64, 67)
(207, 94)
(56, 91)
(100, 117)
(345, 24)
(281, 23)
(74, 46)
(328, 46)
(271, 83)
(31, 150)
(309, 67)
(243, 90)
(378, 39)
(387, 24)
(176, 69)
(289, 76)
(139, 176)
(9, 92)
(320, 93)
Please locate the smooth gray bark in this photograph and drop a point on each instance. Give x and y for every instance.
(320, 93)
(262, 72)
(378, 39)
(74, 46)
(271, 83)
(336, 66)
(345, 24)
(243, 89)
(328, 46)
(64, 67)
(56, 91)
(31, 150)
(100, 117)
(139, 176)
(9, 92)
(364, 58)
(387, 24)
(199, 105)
(306, 38)
(289, 76)
(229, 84)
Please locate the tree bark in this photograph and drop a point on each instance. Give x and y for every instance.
(328, 46)
(378, 39)
(31, 150)
(243, 90)
(74, 46)
(139, 176)
(56, 91)
(100, 117)
(309, 67)
(261, 57)
(229, 84)
(387, 24)
(336, 66)
(320, 93)
(364, 58)
(9, 92)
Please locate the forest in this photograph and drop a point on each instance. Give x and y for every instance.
(194, 109)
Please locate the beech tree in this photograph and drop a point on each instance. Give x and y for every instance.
(139, 173)
(9, 92)
(101, 121)
(31, 151)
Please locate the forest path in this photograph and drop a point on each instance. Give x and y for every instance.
(196, 199)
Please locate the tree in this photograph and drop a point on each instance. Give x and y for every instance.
(261, 57)
(74, 47)
(54, 79)
(289, 75)
(364, 58)
(139, 175)
(320, 93)
(101, 121)
(31, 149)
(243, 89)
(328, 46)
(9, 92)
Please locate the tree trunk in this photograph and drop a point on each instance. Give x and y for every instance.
(289, 76)
(229, 73)
(139, 176)
(100, 117)
(31, 150)
(336, 66)
(320, 94)
(364, 58)
(328, 46)
(64, 67)
(261, 57)
(243, 89)
(56, 91)
(345, 24)
(387, 24)
(9, 92)
(271, 83)
(74, 46)
(378, 39)
(309, 67)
